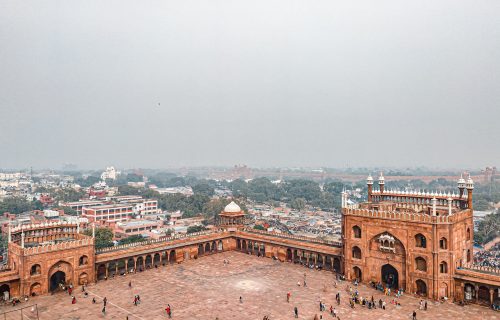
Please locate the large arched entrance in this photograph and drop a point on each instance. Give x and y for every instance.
(4, 292)
(357, 273)
(60, 273)
(390, 276)
(58, 278)
(421, 288)
(336, 265)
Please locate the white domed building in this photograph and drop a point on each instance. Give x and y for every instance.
(232, 217)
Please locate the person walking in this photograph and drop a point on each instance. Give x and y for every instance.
(104, 310)
(105, 301)
(73, 301)
(425, 305)
(296, 312)
(414, 315)
(241, 299)
(130, 284)
(288, 296)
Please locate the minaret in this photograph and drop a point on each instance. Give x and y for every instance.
(381, 182)
(434, 201)
(369, 183)
(461, 186)
(470, 186)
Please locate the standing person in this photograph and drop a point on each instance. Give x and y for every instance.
(425, 305)
(73, 301)
(288, 296)
(93, 300)
(169, 311)
(414, 315)
(130, 284)
(296, 312)
(241, 299)
(105, 300)
(104, 310)
(70, 290)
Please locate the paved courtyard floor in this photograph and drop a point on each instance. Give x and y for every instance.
(207, 289)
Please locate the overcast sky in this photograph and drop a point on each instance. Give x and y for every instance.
(261, 82)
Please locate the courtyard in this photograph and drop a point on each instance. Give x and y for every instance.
(206, 288)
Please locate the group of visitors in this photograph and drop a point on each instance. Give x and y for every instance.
(488, 258)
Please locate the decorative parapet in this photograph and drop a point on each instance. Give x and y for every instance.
(293, 237)
(159, 240)
(423, 194)
(28, 227)
(406, 216)
(58, 246)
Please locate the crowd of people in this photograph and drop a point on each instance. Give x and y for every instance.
(488, 258)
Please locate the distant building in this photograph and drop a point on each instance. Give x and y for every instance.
(110, 173)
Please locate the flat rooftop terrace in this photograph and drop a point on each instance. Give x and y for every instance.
(207, 289)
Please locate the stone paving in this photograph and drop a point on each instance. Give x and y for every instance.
(207, 289)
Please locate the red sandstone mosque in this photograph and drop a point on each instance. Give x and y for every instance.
(421, 242)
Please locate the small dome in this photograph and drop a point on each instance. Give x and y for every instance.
(369, 180)
(381, 179)
(461, 180)
(232, 207)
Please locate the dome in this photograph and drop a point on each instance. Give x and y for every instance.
(232, 207)
(369, 180)
(461, 180)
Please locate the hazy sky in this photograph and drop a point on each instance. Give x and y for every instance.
(261, 82)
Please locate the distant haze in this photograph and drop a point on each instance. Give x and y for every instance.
(263, 82)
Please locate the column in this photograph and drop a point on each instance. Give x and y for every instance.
(107, 273)
(476, 287)
(491, 296)
(116, 268)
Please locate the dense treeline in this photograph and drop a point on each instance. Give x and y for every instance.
(17, 205)
(488, 228)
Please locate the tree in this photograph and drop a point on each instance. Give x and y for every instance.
(103, 237)
(193, 229)
(131, 239)
(204, 189)
(88, 181)
(17, 205)
(69, 194)
(126, 190)
(298, 203)
(68, 210)
(212, 208)
(132, 177)
(488, 229)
